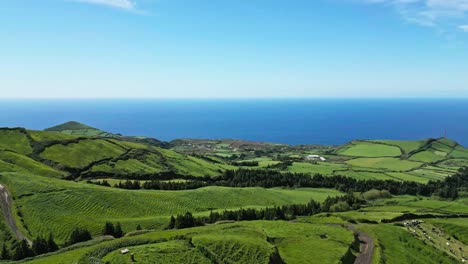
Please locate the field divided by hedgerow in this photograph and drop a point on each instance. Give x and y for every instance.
(14, 140)
(242, 242)
(369, 149)
(65, 205)
(78, 155)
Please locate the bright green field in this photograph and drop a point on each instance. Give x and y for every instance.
(14, 140)
(65, 205)
(13, 162)
(428, 156)
(395, 245)
(321, 168)
(459, 152)
(393, 164)
(243, 242)
(406, 145)
(78, 155)
(49, 135)
(367, 149)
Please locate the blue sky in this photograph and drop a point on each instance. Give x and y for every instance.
(233, 49)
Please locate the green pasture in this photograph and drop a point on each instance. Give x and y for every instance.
(393, 164)
(368, 149)
(64, 205)
(14, 140)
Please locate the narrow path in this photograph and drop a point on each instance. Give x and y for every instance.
(367, 249)
(5, 202)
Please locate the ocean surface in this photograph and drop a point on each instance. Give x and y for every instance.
(308, 121)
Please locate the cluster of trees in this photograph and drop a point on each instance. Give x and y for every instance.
(285, 212)
(129, 185)
(21, 249)
(171, 185)
(113, 230)
(78, 235)
(245, 163)
(184, 221)
(160, 185)
(102, 183)
(447, 188)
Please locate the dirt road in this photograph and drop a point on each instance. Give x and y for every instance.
(367, 249)
(5, 202)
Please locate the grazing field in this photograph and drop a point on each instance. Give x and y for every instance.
(459, 152)
(396, 245)
(368, 149)
(393, 164)
(243, 242)
(406, 145)
(14, 140)
(428, 157)
(64, 205)
(13, 162)
(320, 167)
(46, 173)
(173, 251)
(78, 155)
(365, 175)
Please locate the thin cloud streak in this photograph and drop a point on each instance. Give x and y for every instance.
(441, 14)
(121, 4)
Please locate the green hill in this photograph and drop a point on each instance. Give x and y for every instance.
(57, 154)
(78, 129)
(76, 176)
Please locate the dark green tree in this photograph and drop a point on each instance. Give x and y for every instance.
(79, 235)
(109, 229)
(118, 231)
(51, 245)
(39, 246)
(22, 250)
(5, 253)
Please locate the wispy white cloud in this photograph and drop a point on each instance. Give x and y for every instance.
(121, 4)
(443, 14)
(463, 28)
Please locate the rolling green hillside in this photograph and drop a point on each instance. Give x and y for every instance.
(52, 182)
(56, 153)
(64, 205)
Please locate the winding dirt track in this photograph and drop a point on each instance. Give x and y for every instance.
(5, 202)
(367, 249)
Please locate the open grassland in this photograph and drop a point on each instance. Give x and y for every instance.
(396, 245)
(78, 155)
(44, 136)
(14, 140)
(459, 152)
(365, 175)
(457, 228)
(13, 162)
(406, 145)
(431, 174)
(65, 205)
(323, 168)
(393, 164)
(368, 149)
(173, 251)
(243, 242)
(428, 156)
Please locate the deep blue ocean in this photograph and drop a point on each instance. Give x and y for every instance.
(308, 121)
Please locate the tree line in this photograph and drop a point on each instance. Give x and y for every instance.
(285, 212)
(447, 188)
(21, 249)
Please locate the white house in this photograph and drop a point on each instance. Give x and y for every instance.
(315, 157)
